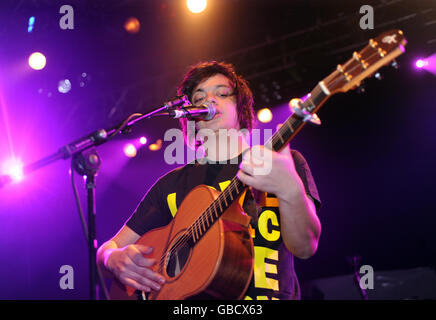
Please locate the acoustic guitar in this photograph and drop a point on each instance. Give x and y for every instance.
(206, 252)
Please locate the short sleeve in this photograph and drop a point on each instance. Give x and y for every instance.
(303, 170)
(150, 213)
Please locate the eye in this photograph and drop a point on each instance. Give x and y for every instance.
(223, 93)
(198, 98)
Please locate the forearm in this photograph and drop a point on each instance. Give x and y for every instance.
(300, 225)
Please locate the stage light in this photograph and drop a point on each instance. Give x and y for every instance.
(264, 115)
(37, 61)
(14, 169)
(143, 140)
(31, 24)
(64, 86)
(196, 6)
(155, 146)
(130, 150)
(421, 63)
(294, 103)
(132, 25)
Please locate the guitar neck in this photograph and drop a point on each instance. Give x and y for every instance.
(295, 123)
(379, 52)
(280, 138)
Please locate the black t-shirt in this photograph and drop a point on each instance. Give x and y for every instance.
(274, 275)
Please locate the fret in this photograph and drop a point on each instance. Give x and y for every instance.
(192, 235)
(280, 136)
(210, 217)
(214, 208)
(194, 232)
(203, 229)
(219, 203)
(206, 218)
(289, 125)
(236, 188)
(224, 196)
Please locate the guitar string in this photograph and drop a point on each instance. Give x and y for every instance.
(203, 219)
(183, 239)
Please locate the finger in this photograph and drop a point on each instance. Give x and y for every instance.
(260, 156)
(143, 249)
(246, 167)
(145, 281)
(286, 150)
(247, 179)
(138, 257)
(147, 273)
(136, 285)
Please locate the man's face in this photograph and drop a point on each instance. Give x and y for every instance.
(218, 92)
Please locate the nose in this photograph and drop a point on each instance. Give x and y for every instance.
(211, 98)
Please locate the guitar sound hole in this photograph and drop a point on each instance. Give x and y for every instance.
(178, 255)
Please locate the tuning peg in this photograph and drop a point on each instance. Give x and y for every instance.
(394, 64)
(378, 76)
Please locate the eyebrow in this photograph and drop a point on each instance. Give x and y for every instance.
(216, 87)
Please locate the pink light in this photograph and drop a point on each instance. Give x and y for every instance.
(143, 140)
(130, 150)
(420, 63)
(14, 169)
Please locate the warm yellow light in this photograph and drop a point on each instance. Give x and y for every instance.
(37, 61)
(130, 150)
(264, 115)
(196, 6)
(132, 25)
(294, 103)
(155, 146)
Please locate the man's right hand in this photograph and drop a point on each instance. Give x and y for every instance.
(129, 265)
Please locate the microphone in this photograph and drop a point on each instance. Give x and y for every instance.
(204, 112)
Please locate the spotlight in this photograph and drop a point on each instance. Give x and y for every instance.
(64, 86)
(264, 115)
(37, 61)
(155, 146)
(143, 140)
(31, 24)
(196, 6)
(294, 103)
(130, 150)
(421, 63)
(14, 169)
(132, 25)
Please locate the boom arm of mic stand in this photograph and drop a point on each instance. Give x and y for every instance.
(96, 138)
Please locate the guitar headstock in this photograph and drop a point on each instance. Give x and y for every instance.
(378, 53)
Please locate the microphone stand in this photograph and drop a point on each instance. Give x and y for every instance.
(87, 162)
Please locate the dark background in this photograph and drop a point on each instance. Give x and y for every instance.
(372, 158)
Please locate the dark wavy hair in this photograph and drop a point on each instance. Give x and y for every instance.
(244, 97)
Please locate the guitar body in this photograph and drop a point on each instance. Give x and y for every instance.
(218, 266)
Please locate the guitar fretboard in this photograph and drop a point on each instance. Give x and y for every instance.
(280, 138)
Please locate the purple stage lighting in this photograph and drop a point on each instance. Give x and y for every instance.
(130, 150)
(420, 63)
(143, 140)
(14, 169)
